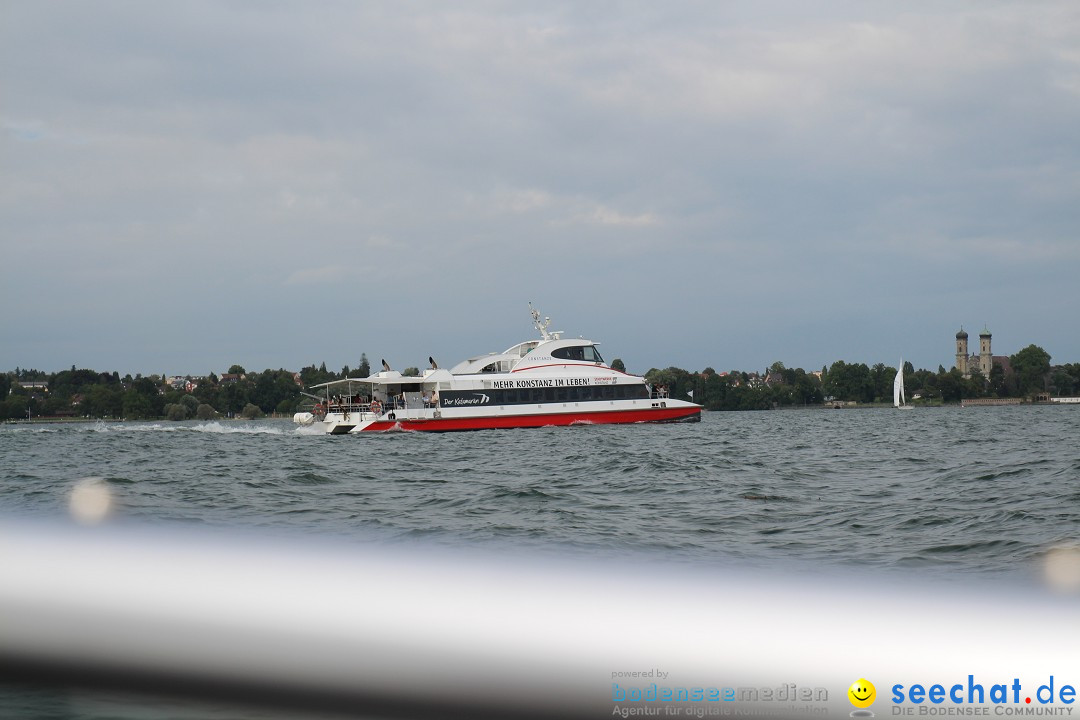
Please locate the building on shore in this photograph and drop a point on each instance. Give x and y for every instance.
(984, 361)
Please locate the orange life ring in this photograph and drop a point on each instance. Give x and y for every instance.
(376, 407)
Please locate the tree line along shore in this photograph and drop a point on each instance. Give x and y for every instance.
(83, 393)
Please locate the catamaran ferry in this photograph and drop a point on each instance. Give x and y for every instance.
(550, 381)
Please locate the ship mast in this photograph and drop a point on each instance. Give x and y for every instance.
(542, 327)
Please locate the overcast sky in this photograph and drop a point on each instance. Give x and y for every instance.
(184, 186)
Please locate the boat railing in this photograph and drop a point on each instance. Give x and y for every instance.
(349, 407)
(395, 405)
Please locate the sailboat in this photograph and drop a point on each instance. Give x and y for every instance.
(898, 389)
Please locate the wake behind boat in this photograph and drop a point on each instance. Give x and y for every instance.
(537, 383)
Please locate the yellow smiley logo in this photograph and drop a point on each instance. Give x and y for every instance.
(862, 693)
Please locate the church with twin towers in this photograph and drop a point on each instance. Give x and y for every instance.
(983, 362)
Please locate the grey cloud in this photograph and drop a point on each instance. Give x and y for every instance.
(768, 172)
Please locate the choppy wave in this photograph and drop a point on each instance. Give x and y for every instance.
(956, 491)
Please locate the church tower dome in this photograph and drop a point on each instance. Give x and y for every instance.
(986, 358)
(962, 352)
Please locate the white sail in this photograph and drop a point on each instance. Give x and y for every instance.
(898, 386)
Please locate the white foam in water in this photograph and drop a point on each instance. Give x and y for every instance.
(154, 427)
(227, 427)
(217, 427)
(15, 428)
(230, 428)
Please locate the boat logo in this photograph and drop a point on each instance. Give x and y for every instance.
(477, 399)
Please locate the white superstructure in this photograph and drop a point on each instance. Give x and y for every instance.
(550, 381)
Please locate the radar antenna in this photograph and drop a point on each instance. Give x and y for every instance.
(542, 327)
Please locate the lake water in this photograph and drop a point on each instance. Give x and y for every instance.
(968, 490)
(942, 493)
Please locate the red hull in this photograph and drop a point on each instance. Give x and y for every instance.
(612, 417)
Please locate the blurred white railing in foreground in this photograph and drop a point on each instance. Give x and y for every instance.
(418, 633)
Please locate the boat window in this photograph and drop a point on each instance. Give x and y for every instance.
(588, 353)
(568, 353)
(525, 396)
